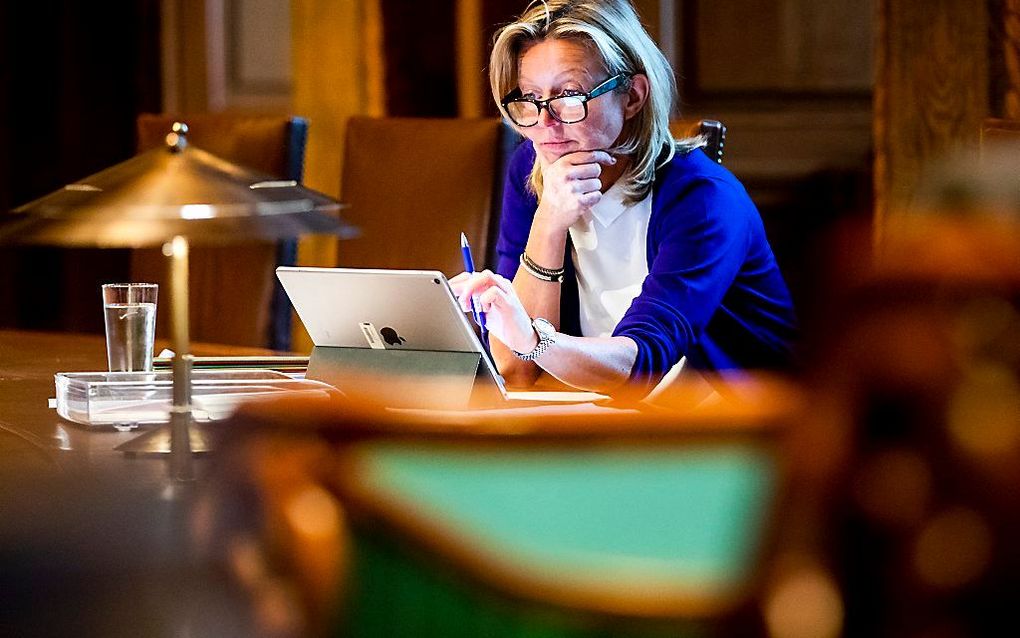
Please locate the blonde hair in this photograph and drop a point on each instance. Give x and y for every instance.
(612, 29)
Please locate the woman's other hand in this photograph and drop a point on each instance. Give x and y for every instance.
(505, 316)
(571, 186)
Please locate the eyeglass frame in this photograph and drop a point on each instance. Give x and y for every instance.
(610, 84)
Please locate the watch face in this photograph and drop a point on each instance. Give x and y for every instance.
(544, 329)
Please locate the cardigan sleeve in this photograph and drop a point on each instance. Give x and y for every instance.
(696, 250)
(518, 211)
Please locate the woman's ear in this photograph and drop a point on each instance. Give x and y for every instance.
(637, 95)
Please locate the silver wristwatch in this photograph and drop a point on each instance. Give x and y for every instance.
(546, 337)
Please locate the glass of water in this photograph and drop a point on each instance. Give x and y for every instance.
(130, 311)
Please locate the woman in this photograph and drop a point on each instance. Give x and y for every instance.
(620, 250)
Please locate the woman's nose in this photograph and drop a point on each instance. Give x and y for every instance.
(545, 118)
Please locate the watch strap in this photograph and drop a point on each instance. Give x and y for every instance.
(544, 341)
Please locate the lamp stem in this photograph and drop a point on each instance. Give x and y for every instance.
(180, 411)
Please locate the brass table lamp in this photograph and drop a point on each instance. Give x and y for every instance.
(174, 196)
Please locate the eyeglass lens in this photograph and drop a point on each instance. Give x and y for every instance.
(567, 109)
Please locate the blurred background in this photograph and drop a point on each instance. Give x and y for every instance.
(903, 452)
(832, 107)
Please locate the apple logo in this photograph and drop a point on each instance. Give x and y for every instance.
(391, 337)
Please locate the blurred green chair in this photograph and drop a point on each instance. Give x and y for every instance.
(640, 539)
(612, 522)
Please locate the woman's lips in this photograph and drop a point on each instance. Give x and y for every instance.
(555, 145)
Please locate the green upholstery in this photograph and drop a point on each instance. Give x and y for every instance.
(683, 517)
(397, 591)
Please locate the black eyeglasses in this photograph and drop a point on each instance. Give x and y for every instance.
(568, 109)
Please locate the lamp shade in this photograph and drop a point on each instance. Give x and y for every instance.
(174, 190)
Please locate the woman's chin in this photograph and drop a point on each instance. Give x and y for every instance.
(551, 154)
(549, 158)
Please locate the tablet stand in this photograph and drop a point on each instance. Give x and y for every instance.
(406, 378)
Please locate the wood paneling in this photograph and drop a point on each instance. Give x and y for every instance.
(471, 93)
(226, 55)
(185, 57)
(338, 72)
(1011, 57)
(792, 81)
(931, 92)
(782, 46)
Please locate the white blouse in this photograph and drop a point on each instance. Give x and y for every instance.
(610, 257)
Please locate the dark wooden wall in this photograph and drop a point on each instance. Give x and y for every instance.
(75, 76)
(932, 91)
(1010, 57)
(793, 82)
(420, 62)
(1004, 65)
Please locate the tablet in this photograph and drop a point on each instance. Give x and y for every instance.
(383, 312)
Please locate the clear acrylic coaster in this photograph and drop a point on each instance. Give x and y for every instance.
(128, 399)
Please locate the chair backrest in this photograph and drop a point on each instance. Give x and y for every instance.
(714, 132)
(414, 184)
(235, 296)
(537, 522)
(994, 130)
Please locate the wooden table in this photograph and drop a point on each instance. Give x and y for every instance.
(34, 440)
(93, 542)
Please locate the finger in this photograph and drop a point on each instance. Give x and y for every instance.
(459, 278)
(588, 157)
(494, 297)
(465, 292)
(590, 199)
(499, 281)
(459, 288)
(586, 186)
(584, 171)
(456, 288)
(473, 285)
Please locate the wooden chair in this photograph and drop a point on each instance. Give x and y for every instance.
(414, 184)
(713, 131)
(235, 298)
(619, 523)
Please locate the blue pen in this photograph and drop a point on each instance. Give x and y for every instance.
(469, 265)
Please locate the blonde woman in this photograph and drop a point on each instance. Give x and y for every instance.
(620, 249)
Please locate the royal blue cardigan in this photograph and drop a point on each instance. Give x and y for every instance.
(713, 292)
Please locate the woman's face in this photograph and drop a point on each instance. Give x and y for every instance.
(554, 67)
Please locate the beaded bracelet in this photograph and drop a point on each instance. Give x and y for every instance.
(538, 272)
(542, 269)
